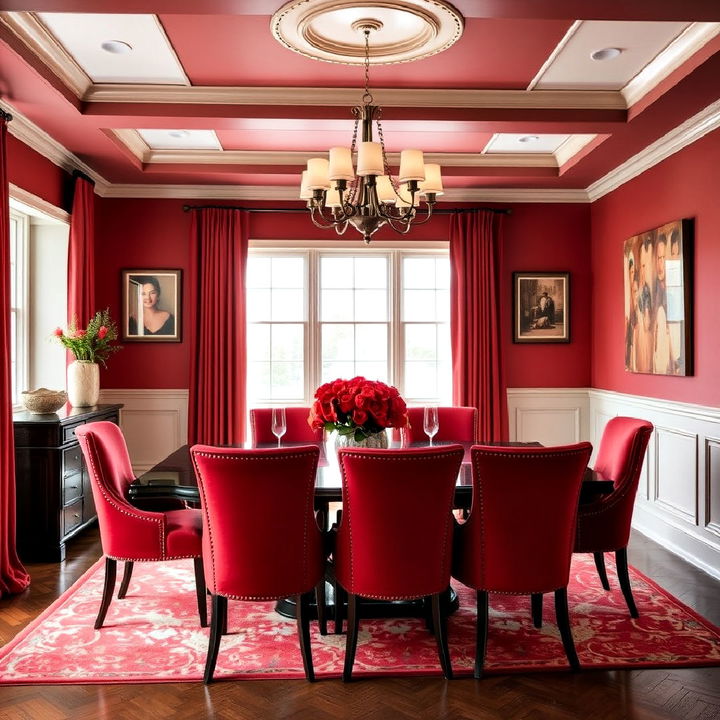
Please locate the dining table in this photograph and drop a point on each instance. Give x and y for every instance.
(174, 477)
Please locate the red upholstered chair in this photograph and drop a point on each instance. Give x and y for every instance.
(298, 430)
(259, 556)
(455, 424)
(604, 524)
(519, 536)
(126, 532)
(386, 554)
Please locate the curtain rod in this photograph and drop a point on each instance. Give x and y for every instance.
(442, 211)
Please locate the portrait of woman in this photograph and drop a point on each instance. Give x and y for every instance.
(152, 305)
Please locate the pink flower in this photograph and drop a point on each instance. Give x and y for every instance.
(79, 334)
(58, 332)
(102, 332)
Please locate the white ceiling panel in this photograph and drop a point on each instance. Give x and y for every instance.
(151, 59)
(573, 68)
(181, 139)
(524, 143)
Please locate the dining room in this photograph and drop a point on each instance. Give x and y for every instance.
(223, 254)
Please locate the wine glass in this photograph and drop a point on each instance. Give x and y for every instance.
(430, 422)
(279, 425)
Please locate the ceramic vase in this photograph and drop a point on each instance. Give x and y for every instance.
(377, 440)
(83, 383)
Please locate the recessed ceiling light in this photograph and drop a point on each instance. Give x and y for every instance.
(606, 53)
(178, 133)
(529, 138)
(116, 47)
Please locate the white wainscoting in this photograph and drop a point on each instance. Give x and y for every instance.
(678, 501)
(154, 422)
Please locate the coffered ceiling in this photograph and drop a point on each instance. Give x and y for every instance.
(197, 99)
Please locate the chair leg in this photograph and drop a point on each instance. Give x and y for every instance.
(600, 565)
(302, 605)
(563, 621)
(340, 598)
(440, 626)
(624, 578)
(108, 589)
(127, 574)
(428, 611)
(536, 604)
(219, 618)
(201, 591)
(481, 632)
(320, 602)
(352, 636)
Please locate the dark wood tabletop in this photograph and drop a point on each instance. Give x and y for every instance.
(174, 477)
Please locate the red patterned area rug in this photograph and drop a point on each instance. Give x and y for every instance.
(153, 635)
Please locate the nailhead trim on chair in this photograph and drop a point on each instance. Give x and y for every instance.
(102, 484)
(310, 497)
(477, 490)
(346, 495)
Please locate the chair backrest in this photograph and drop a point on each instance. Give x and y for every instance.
(622, 450)
(296, 420)
(455, 424)
(125, 531)
(395, 536)
(260, 538)
(520, 533)
(604, 524)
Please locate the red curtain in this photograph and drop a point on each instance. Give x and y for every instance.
(219, 244)
(13, 578)
(475, 319)
(81, 253)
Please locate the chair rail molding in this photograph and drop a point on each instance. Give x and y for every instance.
(154, 422)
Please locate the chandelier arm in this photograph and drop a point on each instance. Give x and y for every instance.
(404, 229)
(320, 220)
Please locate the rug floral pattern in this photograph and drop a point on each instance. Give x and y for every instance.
(153, 635)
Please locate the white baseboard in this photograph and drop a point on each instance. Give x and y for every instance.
(154, 422)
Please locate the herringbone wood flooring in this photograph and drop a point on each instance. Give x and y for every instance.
(690, 694)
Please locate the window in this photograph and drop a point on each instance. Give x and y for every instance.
(18, 303)
(318, 314)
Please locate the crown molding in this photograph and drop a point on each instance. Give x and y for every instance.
(400, 97)
(681, 49)
(571, 147)
(259, 157)
(683, 135)
(27, 132)
(37, 203)
(290, 193)
(553, 55)
(133, 141)
(31, 31)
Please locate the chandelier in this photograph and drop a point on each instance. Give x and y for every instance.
(369, 197)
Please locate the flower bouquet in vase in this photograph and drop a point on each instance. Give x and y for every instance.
(359, 410)
(90, 346)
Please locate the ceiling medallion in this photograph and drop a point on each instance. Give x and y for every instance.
(403, 30)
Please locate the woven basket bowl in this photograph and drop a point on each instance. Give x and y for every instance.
(43, 401)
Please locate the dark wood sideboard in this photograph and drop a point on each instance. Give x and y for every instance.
(53, 494)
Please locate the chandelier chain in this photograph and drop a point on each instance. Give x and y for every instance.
(367, 95)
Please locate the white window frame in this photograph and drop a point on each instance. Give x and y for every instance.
(19, 242)
(313, 250)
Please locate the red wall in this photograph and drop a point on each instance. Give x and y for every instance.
(155, 233)
(683, 186)
(32, 172)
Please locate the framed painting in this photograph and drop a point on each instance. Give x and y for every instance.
(658, 300)
(541, 307)
(152, 305)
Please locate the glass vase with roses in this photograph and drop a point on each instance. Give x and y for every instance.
(359, 410)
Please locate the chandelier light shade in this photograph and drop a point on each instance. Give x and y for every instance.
(367, 195)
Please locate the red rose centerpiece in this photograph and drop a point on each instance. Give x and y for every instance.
(359, 409)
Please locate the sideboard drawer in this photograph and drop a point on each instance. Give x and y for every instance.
(69, 432)
(72, 488)
(72, 516)
(72, 461)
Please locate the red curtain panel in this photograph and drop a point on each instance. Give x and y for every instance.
(475, 319)
(13, 578)
(219, 244)
(81, 253)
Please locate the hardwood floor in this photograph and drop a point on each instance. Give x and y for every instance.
(691, 694)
